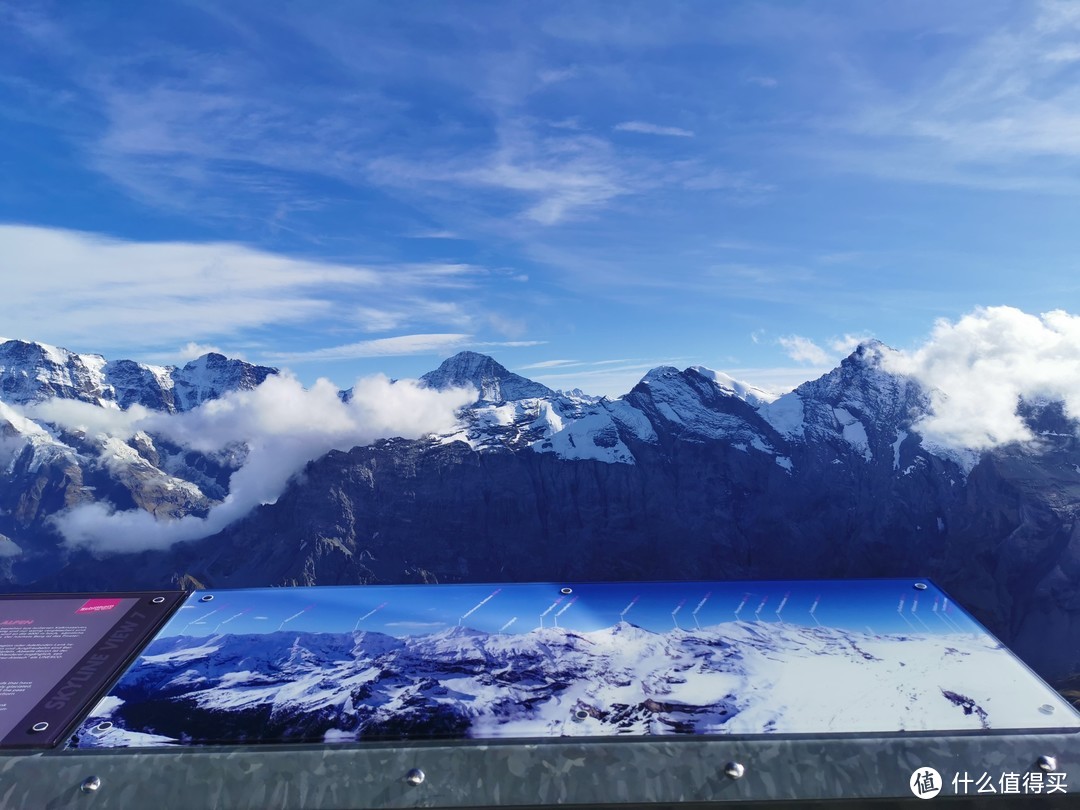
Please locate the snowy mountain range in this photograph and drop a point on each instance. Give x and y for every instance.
(689, 475)
(732, 678)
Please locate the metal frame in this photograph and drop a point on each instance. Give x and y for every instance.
(578, 772)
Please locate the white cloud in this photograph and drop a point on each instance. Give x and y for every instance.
(1001, 113)
(150, 297)
(284, 427)
(435, 235)
(192, 350)
(555, 76)
(551, 364)
(1066, 53)
(980, 367)
(720, 180)
(803, 350)
(848, 343)
(646, 128)
(555, 176)
(380, 347)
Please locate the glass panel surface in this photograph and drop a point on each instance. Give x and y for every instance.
(550, 660)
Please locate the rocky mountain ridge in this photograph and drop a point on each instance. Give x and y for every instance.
(686, 476)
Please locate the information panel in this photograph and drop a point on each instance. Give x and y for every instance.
(59, 653)
(342, 664)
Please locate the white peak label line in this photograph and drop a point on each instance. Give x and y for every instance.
(782, 603)
(296, 615)
(234, 616)
(368, 615)
(757, 613)
(700, 605)
(563, 610)
(742, 604)
(675, 612)
(551, 607)
(479, 605)
(202, 619)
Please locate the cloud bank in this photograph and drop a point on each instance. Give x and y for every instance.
(979, 368)
(283, 425)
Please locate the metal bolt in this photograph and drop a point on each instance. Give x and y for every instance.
(1046, 708)
(1047, 763)
(90, 784)
(565, 591)
(415, 777)
(39, 727)
(208, 598)
(920, 586)
(735, 770)
(102, 727)
(157, 600)
(580, 715)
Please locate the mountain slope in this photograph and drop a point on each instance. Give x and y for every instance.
(687, 476)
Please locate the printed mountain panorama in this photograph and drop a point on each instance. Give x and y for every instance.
(689, 476)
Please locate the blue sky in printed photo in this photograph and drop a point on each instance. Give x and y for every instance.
(882, 606)
(582, 190)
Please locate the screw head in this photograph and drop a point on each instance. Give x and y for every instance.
(735, 770)
(1047, 763)
(90, 784)
(566, 591)
(157, 600)
(1047, 708)
(920, 586)
(208, 598)
(415, 777)
(39, 727)
(580, 715)
(102, 727)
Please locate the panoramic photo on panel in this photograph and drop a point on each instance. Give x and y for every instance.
(364, 330)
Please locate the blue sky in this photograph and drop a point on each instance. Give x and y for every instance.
(518, 608)
(582, 190)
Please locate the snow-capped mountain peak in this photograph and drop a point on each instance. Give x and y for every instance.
(494, 382)
(210, 376)
(748, 393)
(33, 372)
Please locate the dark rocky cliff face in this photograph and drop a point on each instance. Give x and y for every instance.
(1006, 543)
(833, 481)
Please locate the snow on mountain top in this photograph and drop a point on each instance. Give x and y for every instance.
(494, 382)
(211, 375)
(34, 372)
(691, 404)
(750, 394)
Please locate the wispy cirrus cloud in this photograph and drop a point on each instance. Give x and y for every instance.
(380, 347)
(1003, 113)
(397, 346)
(148, 296)
(555, 176)
(645, 128)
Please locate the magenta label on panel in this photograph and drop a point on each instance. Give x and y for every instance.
(98, 605)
